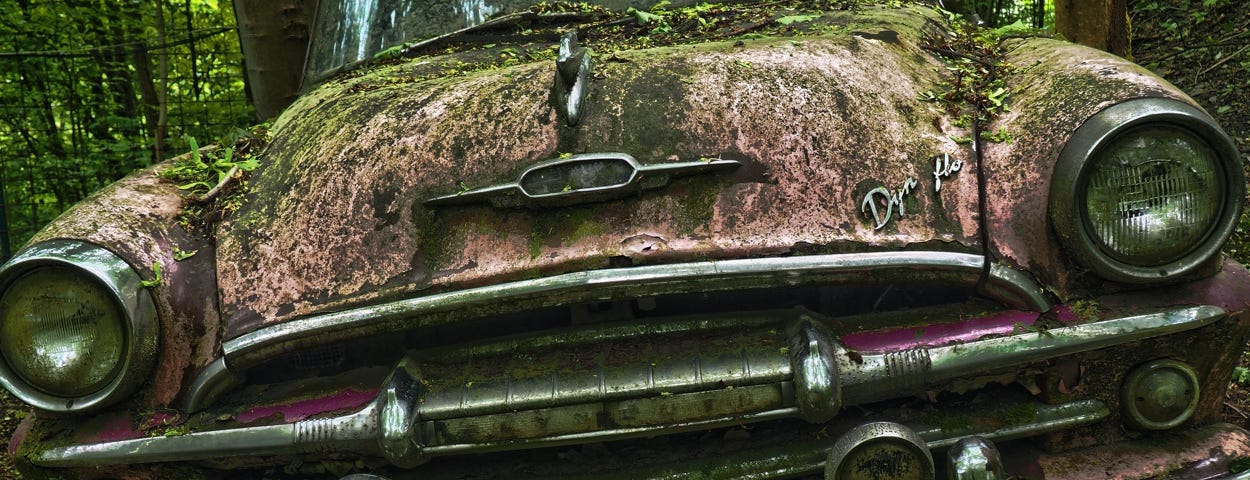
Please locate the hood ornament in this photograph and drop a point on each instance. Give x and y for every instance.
(572, 77)
(585, 178)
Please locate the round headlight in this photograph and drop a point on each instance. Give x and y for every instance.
(1154, 194)
(1146, 190)
(78, 330)
(61, 333)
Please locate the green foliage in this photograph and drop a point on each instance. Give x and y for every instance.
(202, 171)
(180, 254)
(78, 105)
(977, 91)
(998, 136)
(1241, 375)
(1033, 14)
(156, 276)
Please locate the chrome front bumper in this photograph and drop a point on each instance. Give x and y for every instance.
(802, 372)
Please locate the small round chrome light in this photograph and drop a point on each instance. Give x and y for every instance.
(880, 451)
(1159, 395)
(78, 330)
(974, 458)
(1146, 190)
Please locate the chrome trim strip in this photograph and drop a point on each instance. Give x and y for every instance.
(214, 380)
(355, 433)
(1243, 475)
(142, 328)
(882, 376)
(1017, 289)
(254, 347)
(396, 415)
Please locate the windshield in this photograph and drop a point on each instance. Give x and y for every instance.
(351, 31)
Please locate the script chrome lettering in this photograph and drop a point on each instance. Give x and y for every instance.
(890, 199)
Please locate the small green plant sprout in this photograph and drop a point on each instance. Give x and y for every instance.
(998, 136)
(156, 276)
(180, 254)
(203, 174)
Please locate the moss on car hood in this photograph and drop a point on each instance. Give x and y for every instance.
(819, 122)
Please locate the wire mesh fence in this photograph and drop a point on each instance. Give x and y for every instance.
(74, 118)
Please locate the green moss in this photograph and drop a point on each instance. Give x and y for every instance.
(696, 208)
(433, 238)
(1018, 414)
(1086, 310)
(566, 226)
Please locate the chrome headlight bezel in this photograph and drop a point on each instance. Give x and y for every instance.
(131, 297)
(1068, 211)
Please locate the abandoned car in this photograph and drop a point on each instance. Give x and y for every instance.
(739, 240)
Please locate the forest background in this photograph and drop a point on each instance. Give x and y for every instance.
(91, 90)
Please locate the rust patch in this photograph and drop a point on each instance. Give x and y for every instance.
(641, 246)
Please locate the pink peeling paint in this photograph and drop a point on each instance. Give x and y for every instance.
(938, 334)
(19, 435)
(120, 426)
(116, 429)
(294, 412)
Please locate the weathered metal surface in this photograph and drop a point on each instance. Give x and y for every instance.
(1057, 87)
(336, 218)
(481, 407)
(135, 218)
(437, 309)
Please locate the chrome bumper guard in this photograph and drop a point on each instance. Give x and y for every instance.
(812, 378)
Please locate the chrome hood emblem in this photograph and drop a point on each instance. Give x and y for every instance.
(585, 178)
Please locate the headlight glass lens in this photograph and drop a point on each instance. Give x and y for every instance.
(61, 332)
(1153, 195)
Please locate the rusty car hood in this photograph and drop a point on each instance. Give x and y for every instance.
(337, 213)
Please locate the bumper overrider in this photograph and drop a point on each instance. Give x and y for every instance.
(791, 367)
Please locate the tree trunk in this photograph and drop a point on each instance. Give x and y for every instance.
(1102, 24)
(274, 37)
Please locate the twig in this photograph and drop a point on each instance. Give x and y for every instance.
(1222, 60)
(206, 197)
(1187, 49)
(1236, 409)
(952, 53)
